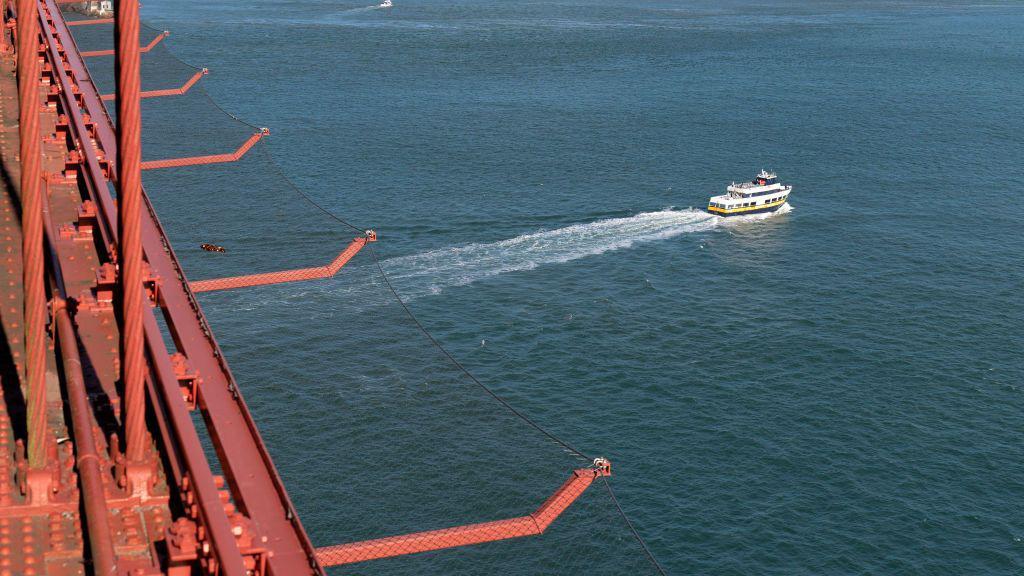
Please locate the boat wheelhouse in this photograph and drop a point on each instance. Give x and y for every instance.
(762, 194)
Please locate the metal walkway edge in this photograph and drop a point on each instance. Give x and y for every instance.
(255, 485)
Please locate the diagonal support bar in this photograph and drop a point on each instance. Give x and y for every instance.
(142, 50)
(211, 159)
(90, 22)
(416, 542)
(283, 276)
(166, 91)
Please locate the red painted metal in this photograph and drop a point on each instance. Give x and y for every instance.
(32, 231)
(129, 227)
(143, 49)
(167, 91)
(282, 276)
(531, 525)
(210, 159)
(255, 487)
(5, 48)
(187, 458)
(90, 475)
(91, 22)
(169, 363)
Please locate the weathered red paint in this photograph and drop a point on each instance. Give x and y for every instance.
(166, 91)
(283, 276)
(91, 22)
(255, 486)
(187, 458)
(414, 543)
(129, 227)
(209, 159)
(32, 231)
(142, 50)
(94, 499)
(247, 526)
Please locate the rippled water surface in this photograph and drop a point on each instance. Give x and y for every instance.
(831, 390)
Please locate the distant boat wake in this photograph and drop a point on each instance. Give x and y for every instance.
(381, 6)
(431, 272)
(428, 273)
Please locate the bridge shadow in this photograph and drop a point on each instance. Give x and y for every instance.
(10, 378)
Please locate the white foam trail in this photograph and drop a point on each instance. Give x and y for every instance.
(431, 272)
(343, 12)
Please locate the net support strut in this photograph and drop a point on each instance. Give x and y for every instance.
(142, 50)
(280, 277)
(211, 159)
(166, 91)
(416, 542)
(90, 22)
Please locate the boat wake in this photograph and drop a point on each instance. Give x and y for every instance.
(351, 11)
(428, 273)
(431, 272)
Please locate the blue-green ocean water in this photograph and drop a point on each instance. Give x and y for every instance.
(833, 390)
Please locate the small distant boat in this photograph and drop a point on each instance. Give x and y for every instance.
(385, 4)
(762, 194)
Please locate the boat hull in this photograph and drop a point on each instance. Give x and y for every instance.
(744, 211)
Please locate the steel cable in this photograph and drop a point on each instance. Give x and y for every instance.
(636, 534)
(465, 371)
(219, 107)
(270, 158)
(295, 187)
(611, 493)
(394, 292)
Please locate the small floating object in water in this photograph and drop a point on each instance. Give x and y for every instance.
(385, 4)
(213, 248)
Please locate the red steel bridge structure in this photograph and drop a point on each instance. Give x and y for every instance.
(106, 353)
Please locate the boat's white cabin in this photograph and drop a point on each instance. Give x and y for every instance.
(763, 191)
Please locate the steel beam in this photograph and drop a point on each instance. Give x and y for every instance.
(256, 488)
(184, 444)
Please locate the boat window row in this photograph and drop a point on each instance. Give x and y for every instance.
(743, 204)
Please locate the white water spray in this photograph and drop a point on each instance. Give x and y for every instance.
(430, 272)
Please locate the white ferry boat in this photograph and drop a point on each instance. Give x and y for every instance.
(762, 194)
